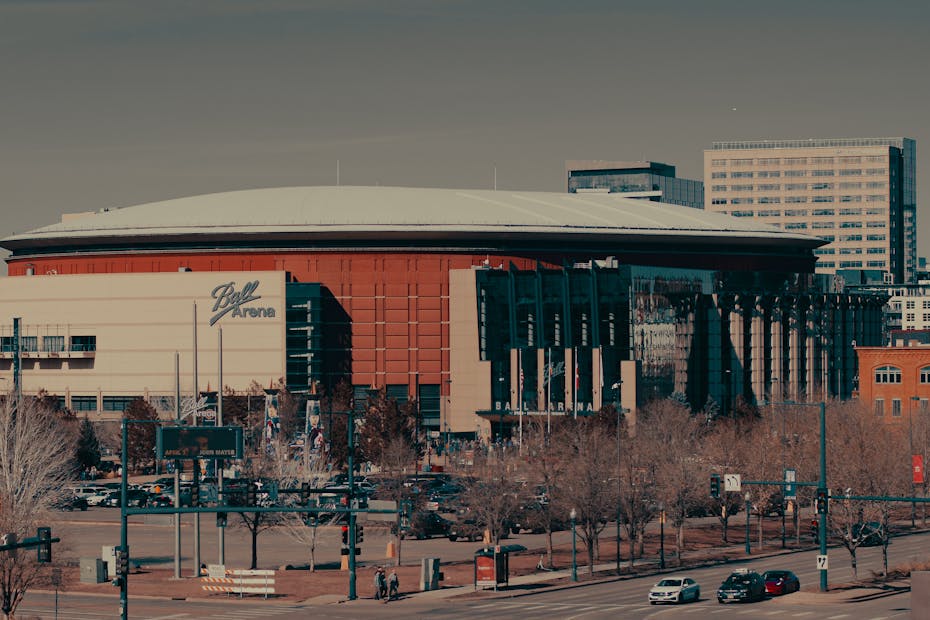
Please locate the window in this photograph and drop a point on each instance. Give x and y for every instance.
(741, 188)
(718, 188)
(888, 374)
(769, 161)
(822, 199)
(829, 264)
(925, 304)
(879, 407)
(795, 161)
(896, 407)
(822, 225)
(718, 175)
(876, 251)
(741, 213)
(796, 199)
(769, 213)
(851, 238)
(741, 175)
(53, 344)
(825, 252)
(875, 224)
(850, 264)
(850, 198)
(822, 186)
(848, 185)
(117, 403)
(876, 198)
(821, 160)
(821, 173)
(852, 172)
(875, 237)
(796, 226)
(741, 162)
(849, 251)
(795, 186)
(29, 343)
(84, 403)
(770, 200)
(875, 211)
(795, 173)
(910, 304)
(850, 211)
(83, 343)
(718, 201)
(875, 159)
(717, 163)
(823, 212)
(875, 185)
(829, 238)
(850, 160)
(768, 174)
(850, 224)
(768, 187)
(741, 201)
(796, 212)
(877, 171)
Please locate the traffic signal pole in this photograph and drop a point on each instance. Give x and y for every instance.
(823, 485)
(123, 530)
(350, 430)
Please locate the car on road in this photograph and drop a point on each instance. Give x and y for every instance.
(780, 582)
(466, 529)
(160, 501)
(741, 586)
(675, 590)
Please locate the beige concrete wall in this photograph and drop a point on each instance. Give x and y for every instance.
(140, 320)
(471, 377)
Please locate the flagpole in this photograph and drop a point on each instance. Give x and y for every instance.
(575, 386)
(549, 394)
(520, 396)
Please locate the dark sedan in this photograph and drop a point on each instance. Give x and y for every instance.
(742, 586)
(134, 497)
(781, 582)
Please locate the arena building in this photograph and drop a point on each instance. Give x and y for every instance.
(478, 304)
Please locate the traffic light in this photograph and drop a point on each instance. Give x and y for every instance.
(195, 494)
(44, 550)
(715, 485)
(122, 562)
(345, 540)
(359, 534)
(221, 519)
(822, 498)
(251, 497)
(304, 493)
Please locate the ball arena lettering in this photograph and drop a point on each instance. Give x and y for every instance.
(227, 300)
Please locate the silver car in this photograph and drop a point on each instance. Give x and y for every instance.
(675, 590)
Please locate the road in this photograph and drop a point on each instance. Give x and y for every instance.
(611, 599)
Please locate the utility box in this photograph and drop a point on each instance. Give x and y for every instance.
(93, 570)
(108, 555)
(429, 574)
(920, 595)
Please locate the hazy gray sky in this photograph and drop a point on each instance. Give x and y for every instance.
(108, 104)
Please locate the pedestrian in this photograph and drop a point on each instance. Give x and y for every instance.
(393, 585)
(382, 585)
(379, 583)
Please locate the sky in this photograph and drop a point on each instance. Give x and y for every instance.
(117, 103)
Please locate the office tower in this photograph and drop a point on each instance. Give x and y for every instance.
(860, 194)
(647, 180)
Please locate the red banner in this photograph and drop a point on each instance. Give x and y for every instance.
(917, 465)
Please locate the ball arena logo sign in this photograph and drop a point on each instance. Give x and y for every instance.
(227, 300)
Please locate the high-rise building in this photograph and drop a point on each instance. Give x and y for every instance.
(647, 180)
(860, 194)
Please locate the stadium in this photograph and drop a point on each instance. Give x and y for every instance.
(481, 305)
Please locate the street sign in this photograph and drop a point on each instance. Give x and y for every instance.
(791, 489)
(732, 482)
(822, 562)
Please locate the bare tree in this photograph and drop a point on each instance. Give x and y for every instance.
(35, 460)
(302, 527)
(722, 450)
(395, 459)
(588, 454)
(673, 432)
(494, 496)
(140, 437)
(267, 465)
(876, 470)
(638, 505)
(544, 468)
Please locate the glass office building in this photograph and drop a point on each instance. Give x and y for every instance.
(646, 180)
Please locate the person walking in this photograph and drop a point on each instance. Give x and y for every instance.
(380, 587)
(393, 585)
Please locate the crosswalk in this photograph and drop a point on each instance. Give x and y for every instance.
(231, 614)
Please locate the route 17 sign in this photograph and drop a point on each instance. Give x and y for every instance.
(732, 482)
(823, 563)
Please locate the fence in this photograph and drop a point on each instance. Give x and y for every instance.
(242, 582)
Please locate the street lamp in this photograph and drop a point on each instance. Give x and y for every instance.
(572, 516)
(748, 509)
(616, 387)
(661, 535)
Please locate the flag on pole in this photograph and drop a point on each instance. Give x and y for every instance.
(577, 375)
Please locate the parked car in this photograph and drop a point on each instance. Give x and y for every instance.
(134, 498)
(97, 498)
(160, 501)
(86, 491)
(70, 502)
(741, 586)
(466, 529)
(675, 590)
(426, 524)
(781, 582)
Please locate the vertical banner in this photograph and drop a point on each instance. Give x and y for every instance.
(313, 431)
(917, 465)
(272, 420)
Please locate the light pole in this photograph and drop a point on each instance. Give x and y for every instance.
(910, 443)
(748, 509)
(616, 387)
(661, 535)
(726, 392)
(572, 516)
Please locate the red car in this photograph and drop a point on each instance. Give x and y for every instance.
(781, 582)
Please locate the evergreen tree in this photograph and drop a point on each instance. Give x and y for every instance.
(88, 446)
